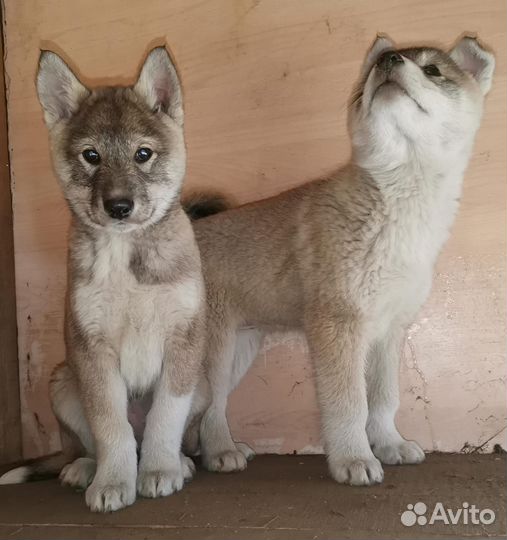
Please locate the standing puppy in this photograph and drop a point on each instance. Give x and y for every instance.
(348, 258)
(135, 303)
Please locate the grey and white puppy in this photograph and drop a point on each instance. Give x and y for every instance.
(135, 304)
(348, 259)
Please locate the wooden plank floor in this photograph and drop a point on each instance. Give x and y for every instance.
(277, 497)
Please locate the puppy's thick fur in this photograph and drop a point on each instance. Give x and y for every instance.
(135, 304)
(348, 259)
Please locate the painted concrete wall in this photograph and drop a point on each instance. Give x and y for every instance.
(266, 85)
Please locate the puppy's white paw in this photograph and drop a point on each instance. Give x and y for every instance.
(229, 461)
(108, 497)
(399, 453)
(79, 474)
(245, 450)
(161, 483)
(188, 467)
(356, 471)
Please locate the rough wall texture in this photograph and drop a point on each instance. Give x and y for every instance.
(10, 428)
(266, 84)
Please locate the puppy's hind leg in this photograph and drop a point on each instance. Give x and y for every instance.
(200, 402)
(219, 452)
(75, 435)
(68, 409)
(248, 342)
(383, 391)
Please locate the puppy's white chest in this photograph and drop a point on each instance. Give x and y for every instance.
(113, 305)
(135, 319)
(405, 270)
(141, 341)
(153, 313)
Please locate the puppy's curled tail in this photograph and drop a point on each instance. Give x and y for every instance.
(199, 205)
(36, 469)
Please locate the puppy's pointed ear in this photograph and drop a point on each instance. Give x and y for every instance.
(159, 85)
(474, 59)
(380, 45)
(60, 92)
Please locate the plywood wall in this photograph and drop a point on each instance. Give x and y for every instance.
(266, 84)
(10, 429)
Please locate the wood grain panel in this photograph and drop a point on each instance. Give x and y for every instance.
(266, 84)
(10, 421)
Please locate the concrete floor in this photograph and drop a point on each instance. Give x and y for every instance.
(278, 497)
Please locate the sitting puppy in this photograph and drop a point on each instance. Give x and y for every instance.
(348, 259)
(135, 303)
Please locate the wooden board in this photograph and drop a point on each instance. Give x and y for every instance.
(10, 420)
(276, 498)
(266, 84)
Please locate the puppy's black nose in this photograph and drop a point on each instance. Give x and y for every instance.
(119, 208)
(388, 60)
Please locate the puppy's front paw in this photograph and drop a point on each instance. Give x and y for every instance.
(356, 471)
(108, 497)
(79, 474)
(229, 461)
(399, 453)
(161, 483)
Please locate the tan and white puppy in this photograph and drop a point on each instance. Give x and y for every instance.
(135, 304)
(348, 259)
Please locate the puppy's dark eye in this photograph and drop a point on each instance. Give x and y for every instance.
(91, 156)
(432, 70)
(143, 154)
